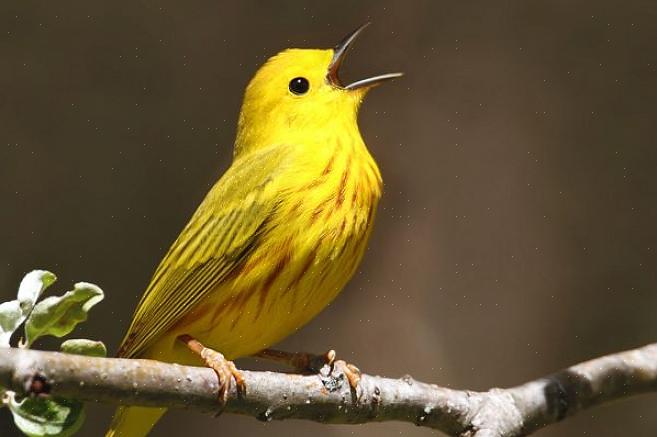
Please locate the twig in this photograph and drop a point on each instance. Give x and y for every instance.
(328, 398)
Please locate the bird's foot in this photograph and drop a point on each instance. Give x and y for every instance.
(351, 372)
(225, 370)
(305, 362)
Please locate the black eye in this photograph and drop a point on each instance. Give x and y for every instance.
(299, 85)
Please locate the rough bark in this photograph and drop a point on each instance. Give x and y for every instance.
(327, 397)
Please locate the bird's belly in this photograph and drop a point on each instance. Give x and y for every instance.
(279, 288)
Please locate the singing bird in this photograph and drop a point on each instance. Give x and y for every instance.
(276, 238)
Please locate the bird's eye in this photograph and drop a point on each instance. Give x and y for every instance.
(299, 85)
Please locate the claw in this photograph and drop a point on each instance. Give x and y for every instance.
(224, 369)
(316, 362)
(351, 372)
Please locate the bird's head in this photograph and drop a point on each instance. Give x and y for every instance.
(297, 93)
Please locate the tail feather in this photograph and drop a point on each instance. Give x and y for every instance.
(134, 421)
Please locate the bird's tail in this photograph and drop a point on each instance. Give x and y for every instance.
(134, 421)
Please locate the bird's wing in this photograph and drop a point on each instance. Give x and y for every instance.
(220, 235)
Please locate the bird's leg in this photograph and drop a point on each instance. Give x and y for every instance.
(306, 362)
(301, 361)
(224, 369)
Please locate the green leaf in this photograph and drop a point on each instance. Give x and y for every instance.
(14, 312)
(11, 317)
(82, 346)
(31, 287)
(58, 315)
(38, 417)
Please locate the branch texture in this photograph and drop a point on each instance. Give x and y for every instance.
(327, 397)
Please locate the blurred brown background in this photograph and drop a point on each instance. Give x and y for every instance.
(517, 232)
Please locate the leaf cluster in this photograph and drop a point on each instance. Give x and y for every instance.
(39, 416)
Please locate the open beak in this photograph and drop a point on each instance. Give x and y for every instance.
(339, 53)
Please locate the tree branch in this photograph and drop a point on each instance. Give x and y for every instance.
(328, 398)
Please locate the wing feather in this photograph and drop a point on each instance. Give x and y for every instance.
(219, 236)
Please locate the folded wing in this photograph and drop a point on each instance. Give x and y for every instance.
(221, 234)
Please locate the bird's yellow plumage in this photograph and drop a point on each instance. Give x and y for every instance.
(278, 236)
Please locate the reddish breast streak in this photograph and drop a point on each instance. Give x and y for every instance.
(280, 265)
(304, 269)
(329, 166)
(319, 209)
(342, 188)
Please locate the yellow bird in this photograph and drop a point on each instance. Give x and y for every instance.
(277, 237)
